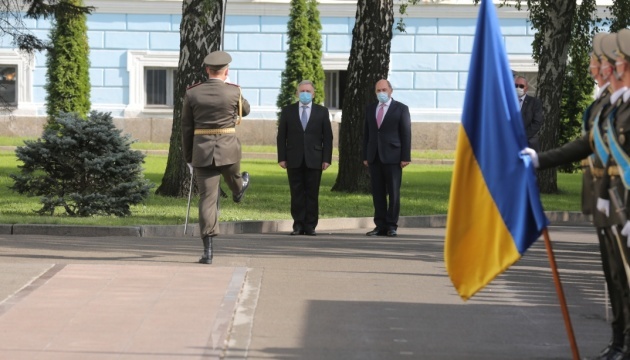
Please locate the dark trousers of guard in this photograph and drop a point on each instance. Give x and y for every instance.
(385, 180)
(208, 179)
(304, 184)
(616, 279)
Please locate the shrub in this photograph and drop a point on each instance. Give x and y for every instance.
(85, 166)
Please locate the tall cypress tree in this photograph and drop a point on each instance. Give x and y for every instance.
(68, 80)
(315, 45)
(298, 64)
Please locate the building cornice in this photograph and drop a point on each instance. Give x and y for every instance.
(464, 9)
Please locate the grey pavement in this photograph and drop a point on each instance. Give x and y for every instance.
(339, 295)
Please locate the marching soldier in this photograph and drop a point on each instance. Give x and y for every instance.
(210, 112)
(592, 150)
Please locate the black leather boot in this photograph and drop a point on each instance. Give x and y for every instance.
(207, 251)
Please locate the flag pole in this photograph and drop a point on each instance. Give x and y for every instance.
(563, 302)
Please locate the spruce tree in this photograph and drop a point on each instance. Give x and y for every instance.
(315, 45)
(298, 65)
(83, 166)
(68, 81)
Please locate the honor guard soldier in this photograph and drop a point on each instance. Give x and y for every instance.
(615, 191)
(210, 112)
(591, 149)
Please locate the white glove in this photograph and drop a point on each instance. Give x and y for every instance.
(603, 206)
(190, 167)
(626, 231)
(532, 154)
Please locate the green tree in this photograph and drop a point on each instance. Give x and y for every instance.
(369, 62)
(304, 52)
(577, 92)
(12, 16)
(84, 167)
(68, 79)
(315, 45)
(201, 32)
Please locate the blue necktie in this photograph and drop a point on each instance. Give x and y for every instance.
(304, 117)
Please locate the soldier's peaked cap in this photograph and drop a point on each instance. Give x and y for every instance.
(609, 45)
(623, 42)
(217, 60)
(597, 43)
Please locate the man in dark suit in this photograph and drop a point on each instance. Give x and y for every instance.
(386, 151)
(531, 112)
(304, 143)
(210, 112)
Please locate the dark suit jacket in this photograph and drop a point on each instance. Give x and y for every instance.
(392, 142)
(532, 114)
(313, 145)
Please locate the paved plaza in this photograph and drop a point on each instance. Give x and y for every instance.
(339, 295)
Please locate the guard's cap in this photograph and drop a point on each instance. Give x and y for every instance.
(623, 43)
(609, 45)
(217, 60)
(597, 43)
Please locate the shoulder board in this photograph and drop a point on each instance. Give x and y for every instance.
(233, 84)
(193, 85)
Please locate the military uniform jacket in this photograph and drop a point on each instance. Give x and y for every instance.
(212, 104)
(579, 149)
(621, 130)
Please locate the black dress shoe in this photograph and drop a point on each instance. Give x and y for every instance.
(391, 233)
(297, 232)
(237, 198)
(310, 232)
(376, 232)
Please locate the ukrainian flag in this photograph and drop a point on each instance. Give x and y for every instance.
(494, 211)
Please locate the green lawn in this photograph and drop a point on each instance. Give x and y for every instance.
(425, 191)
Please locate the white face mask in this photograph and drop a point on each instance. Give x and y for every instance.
(520, 92)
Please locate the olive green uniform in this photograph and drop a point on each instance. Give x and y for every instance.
(213, 104)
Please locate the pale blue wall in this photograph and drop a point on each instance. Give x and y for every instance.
(429, 63)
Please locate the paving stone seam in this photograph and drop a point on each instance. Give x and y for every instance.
(28, 288)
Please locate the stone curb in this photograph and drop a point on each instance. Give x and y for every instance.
(252, 227)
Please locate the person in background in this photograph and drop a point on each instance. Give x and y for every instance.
(304, 143)
(386, 151)
(531, 112)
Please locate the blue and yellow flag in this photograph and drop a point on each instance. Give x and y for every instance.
(494, 211)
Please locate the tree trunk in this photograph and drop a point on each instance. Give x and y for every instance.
(200, 34)
(551, 69)
(369, 62)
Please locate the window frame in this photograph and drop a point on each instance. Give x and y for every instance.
(338, 63)
(137, 62)
(24, 64)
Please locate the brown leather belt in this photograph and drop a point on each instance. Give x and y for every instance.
(597, 172)
(613, 171)
(215, 131)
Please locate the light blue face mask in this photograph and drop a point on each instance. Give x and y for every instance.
(305, 97)
(382, 97)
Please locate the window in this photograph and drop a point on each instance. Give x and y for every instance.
(159, 84)
(8, 84)
(335, 66)
(151, 82)
(334, 88)
(16, 83)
